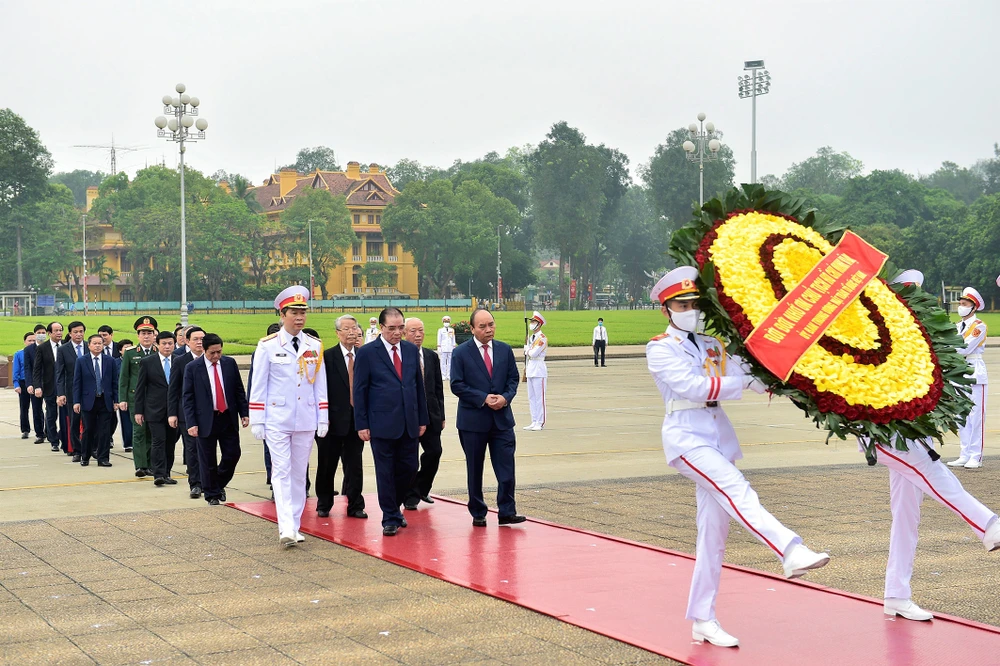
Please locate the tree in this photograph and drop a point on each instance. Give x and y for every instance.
(827, 172)
(449, 230)
(406, 171)
(672, 181)
(218, 246)
(639, 243)
(989, 171)
(883, 197)
(332, 234)
(50, 248)
(25, 165)
(963, 184)
(78, 181)
(308, 160)
(378, 274)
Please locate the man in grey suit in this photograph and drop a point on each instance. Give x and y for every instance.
(430, 441)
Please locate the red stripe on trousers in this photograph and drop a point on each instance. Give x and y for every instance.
(733, 504)
(982, 424)
(942, 499)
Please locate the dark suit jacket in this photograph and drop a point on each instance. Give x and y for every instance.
(174, 392)
(29, 364)
(180, 351)
(65, 363)
(116, 351)
(85, 384)
(338, 391)
(386, 405)
(44, 372)
(471, 384)
(151, 389)
(196, 396)
(434, 387)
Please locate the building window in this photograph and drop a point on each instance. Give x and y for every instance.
(356, 251)
(391, 247)
(356, 278)
(357, 219)
(126, 264)
(371, 219)
(378, 219)
(374, 248)
(125, 296)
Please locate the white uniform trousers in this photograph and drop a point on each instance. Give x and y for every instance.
(289, 465)
(971, 434)
(911, 475)
(536, 399)
(723, 493)
(446, 366)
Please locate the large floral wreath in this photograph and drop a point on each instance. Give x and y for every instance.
(885, 370)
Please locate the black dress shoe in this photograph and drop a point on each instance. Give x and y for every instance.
(77, 458)
(512, 520)
(170, 482)
(360, 513)
(128, 449)
(428, 499)
(39, 440)
(149, 472)
(140, 473)
(158, 481)
(389, 530)
(55, 447)
(24, 435)
(196, 492)
(214, 501)
(403, 523)
(84, 463)
(322, 513)
(104, 464)
(223, 496)
(479, 522)
(411, 505)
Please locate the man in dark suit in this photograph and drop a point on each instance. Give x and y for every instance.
(175, 411)
(151, 407)
(37, 413)
(390, 411)
(95, 395)
(112, 349)
(342, 441)
(65, 364)
(44, 377)
(430, 441)
(181, 334)
(484, 378)
(215, 403)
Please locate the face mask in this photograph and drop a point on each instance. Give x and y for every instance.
(686, 321)
(964, 310)
(601, 324)
(39, 337)
(533, 325)
(447, 324)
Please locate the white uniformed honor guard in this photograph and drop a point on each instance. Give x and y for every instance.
(288, 407)
(973, 331)
(373, 330)
(693, 373)
(535, 370)
(445, 346)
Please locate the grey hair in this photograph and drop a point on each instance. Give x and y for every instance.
(343, 318)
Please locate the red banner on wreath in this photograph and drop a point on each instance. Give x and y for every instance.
(804, 314)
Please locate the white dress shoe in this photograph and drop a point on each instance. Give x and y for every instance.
(907, 609)
(958, 462)
(713, 632)
(992, 537)
(299, 538)
(286, 540)
(537, 426)
(972, 464)
(800, 559)
(530, 426)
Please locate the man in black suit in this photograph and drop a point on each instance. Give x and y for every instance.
(342, 441)
(95, 395)
(430, 441)
(175, 411)
(390, 410)
(44, 376)
(151, 407)
(37, 414)
(112, 349)
(65, 364)
(181, 334)
(215, 404)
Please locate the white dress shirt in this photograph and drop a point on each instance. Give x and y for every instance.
(600, 333)
(211, 381)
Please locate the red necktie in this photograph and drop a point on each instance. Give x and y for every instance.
(220, 397)
(396, 361)
(487, 361)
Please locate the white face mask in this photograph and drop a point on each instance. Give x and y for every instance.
(685, 321)
(533, 325)
(447, 324)
(964, 310)
(39, 338)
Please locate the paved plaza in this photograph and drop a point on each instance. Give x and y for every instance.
(97, 566)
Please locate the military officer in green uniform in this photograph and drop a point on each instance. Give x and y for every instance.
(145, 328)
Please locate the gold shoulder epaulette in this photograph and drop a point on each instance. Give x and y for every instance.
(658, 337)
(269, 337)
(313, 337)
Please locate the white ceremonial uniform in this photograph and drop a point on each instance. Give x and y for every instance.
(445, 346)
(700, 443)
(289, 399)
(971, 435)
(912, 474)
(537, 374)
(371, 334)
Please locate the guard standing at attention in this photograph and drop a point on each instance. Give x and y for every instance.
(373, 330)
(445, 346)
(973, 331)
(536, 371)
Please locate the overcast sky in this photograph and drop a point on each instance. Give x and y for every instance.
(904, 84)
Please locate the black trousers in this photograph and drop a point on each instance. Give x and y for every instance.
(24, 402)
(395, 467)
(329, 451)
(163, 442)
(430, 460)
(190, 453)
(599, 346)
(64, 425)
(126, 422)
(74, 439)
(96, 423)
(38, 416)
(501, 444)
(217, 472)
(52, 419)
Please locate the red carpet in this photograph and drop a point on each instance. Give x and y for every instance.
(637, 593)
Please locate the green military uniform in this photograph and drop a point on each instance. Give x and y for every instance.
(128, 377)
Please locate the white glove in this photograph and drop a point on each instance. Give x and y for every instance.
(322, 429)
(754, 385)
(257, 431)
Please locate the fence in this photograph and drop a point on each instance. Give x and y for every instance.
(267, 307)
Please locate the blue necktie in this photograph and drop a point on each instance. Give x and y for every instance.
(97, 375)
(166, 368)
(79, 351)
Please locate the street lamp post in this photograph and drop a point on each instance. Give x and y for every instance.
(499, 276)
(757, 82)
(704, 133)
(83, 223)
(177, 128)
(312, 283)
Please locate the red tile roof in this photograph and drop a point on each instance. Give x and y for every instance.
(336, 182)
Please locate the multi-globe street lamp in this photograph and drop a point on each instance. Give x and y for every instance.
(706, 136)
(182, 109)
(757, 82)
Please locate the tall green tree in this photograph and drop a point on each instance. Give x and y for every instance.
(405, 172)
(25, 165)
(883, 197)
(332, 234)
(964, 184)
(378, 274)
(51, 245)
(78, 181)
(219, 245)
(639, 243)
(308, 160)
(826, 172)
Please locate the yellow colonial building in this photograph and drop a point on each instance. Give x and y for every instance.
(368, 192)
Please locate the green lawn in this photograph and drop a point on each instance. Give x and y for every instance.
(241, 332)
